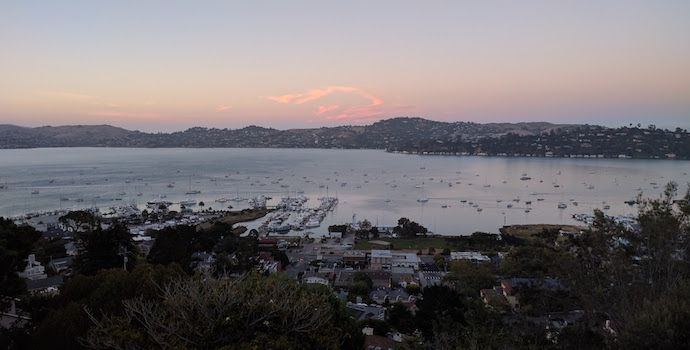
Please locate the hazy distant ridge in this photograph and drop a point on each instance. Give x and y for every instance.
(396, 132)
(415, 135)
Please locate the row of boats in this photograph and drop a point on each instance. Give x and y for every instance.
(304, 218)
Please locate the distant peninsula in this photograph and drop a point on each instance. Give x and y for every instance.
(403, 134)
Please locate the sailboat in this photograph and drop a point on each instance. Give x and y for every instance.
(237, 198)
(191, 191)
(423, 199)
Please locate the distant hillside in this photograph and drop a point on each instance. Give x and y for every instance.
(391, 133)
(412, 135)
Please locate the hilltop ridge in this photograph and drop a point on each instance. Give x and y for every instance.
(395, 132)
(402, 134)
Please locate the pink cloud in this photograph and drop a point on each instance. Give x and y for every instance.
(223, 108)
(354, 113)
(315, 94)
(357, 113)
(324, 109)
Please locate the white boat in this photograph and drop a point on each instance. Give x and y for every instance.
(562, 205)
(312, 223)
(222, 200)
(423, 200)
(188, 202)
(155, 203)
(34, 192)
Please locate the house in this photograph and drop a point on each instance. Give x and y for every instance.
(268, 242)
(511, 288)
(493, 296)
(268, 264)
(401, 259)
(379, 342)
(474, 257)
(202, 261)
(404, 281)
(363, 311)
(379, 296)
(398, 295)
(71, 249)
(312, 277)
(60, 264)
(44, 285)
(355, 258)
(33, 270)
(380, 279)
(381, 259)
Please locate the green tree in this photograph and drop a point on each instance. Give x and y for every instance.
(469, 278)
(170, 246)
(363, 277)
(625, 274)
(253, 312)
(16, 243)
(80, 221)
(409, 229)
(105, 249)
(401, 319)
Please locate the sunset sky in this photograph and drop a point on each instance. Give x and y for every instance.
(169, 65)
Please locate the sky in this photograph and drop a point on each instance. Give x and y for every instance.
(170, 65)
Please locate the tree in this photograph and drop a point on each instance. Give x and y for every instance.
(61, 322)
(624, 274)
(80, 221)
(413, 288)
(252, 312)
(170, 246)
(202, 204)
(363, 277)
(469, 278)
(409, 229)
(441, 309)
(400, 318)
(16, 243)
(104, 249)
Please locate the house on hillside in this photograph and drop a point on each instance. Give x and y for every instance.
(33, 270)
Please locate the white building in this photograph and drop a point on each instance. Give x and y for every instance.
(33, 270)
(406, 260)
(474, 257)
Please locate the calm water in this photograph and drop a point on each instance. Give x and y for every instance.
(379, 186)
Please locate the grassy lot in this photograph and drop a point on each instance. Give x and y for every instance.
(437, 243)
(527, 232)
